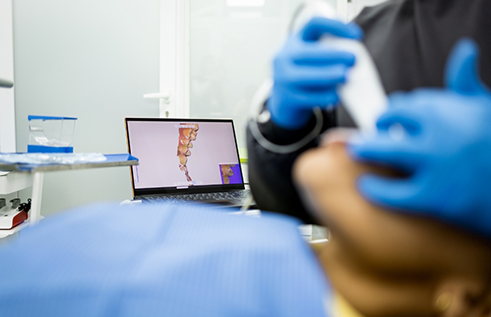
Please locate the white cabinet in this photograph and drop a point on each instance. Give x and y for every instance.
(11, 183)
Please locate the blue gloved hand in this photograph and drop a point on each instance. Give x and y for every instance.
(307, 72)
(442, 139)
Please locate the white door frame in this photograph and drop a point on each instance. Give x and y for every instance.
(174, 59)
(342, 8)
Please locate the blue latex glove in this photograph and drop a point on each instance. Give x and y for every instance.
(442, 139)
(307, 72)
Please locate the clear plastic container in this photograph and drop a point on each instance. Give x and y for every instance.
(49, 134)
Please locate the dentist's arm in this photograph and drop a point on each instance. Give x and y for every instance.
(306, 73)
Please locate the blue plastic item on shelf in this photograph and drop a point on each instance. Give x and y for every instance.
(51, 134)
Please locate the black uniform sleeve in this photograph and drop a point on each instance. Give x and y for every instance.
(270, 174)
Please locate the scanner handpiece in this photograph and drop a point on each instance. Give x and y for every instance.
(362, 95)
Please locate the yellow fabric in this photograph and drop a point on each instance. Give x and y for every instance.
(341, 308)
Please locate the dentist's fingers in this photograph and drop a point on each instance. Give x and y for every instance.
(319, 26)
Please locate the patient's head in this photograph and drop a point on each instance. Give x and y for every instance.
(388, 263)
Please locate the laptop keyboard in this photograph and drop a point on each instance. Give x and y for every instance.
(234, 195)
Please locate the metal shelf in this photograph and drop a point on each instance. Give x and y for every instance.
(112, 160)
(31, 175)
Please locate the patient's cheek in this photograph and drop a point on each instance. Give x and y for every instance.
(323, 167)
(304, 169)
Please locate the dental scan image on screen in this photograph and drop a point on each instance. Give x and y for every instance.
(187, 134)
(230, 174)
(183, 154)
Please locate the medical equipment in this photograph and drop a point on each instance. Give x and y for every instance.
(48, 134)
(15, 203)
(363, 94)
(307, 73)
(14, 216)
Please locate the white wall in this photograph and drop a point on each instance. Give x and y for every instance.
(91, 59)
(7, 110)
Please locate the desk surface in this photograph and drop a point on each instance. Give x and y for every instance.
(111, 160)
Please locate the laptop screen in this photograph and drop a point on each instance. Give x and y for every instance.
(183, 155)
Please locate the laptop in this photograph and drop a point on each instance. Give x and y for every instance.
(186, 160)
